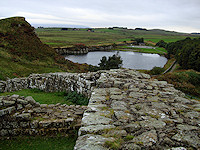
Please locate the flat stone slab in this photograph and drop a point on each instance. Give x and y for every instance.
(91, 142)
(95, 119)
(95, 129)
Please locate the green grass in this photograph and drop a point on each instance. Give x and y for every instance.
(38, 143)
(55, 37)
(53, 97)
(22, 67)
(41, 97)
(157, 50)
(169, 63)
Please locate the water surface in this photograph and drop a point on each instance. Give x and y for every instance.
(132, 60)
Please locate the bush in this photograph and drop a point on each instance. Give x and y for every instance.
(79, 45)
(76, 98)
(188, 81)
(157, 70)
(113, 62)
(161, 43)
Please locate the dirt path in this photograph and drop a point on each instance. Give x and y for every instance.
(174, 67)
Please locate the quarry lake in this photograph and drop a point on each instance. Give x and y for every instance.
(132, 60)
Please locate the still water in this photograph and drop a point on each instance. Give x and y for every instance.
(132, 60)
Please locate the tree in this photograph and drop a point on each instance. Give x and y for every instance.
(103, 62)
(161, 43)
(139, 40)
(113, 62)
(186, 52)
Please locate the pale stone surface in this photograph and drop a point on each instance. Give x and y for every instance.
(91, 142)
(95, 129)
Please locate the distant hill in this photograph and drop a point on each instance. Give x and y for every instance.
(58, 26)
(22, 52)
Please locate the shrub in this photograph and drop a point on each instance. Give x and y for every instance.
(157, 70)
(161, 43)
(113, 62)
(79, 45)
(76, 98)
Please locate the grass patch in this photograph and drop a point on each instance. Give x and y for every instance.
(157, 50)
(169, 63)
(76, 98)
(51, 98)
(129, 137)
(115, 145)
(38, 143)
(41, 96)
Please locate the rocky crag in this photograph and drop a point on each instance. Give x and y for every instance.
(126, 110)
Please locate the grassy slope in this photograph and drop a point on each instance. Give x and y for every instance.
(22, 52)
(187, 81)
(55, 37)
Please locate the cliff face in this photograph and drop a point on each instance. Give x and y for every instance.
(25, 53)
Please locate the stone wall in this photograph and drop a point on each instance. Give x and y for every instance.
(53, 82)
(128, 110)
(19, 115)
(25, 116)
(84, 50)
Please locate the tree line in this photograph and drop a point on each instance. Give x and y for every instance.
(186, 52)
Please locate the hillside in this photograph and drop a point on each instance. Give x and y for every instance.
(22, 52)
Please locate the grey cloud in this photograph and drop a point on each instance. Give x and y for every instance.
(182, 15)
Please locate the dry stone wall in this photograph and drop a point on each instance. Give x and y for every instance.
(25, 116)
(126, 110)
(20, 115)
(52, 82)
(83, 50)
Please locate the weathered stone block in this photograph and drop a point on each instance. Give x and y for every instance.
(8, 103)
(30, 100)
(24, 116)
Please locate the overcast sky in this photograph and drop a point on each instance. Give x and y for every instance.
(174, 15)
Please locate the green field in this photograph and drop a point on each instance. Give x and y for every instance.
(55, 37)
(157, 50)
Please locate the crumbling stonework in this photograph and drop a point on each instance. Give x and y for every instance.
(126, 108)
(25, 116)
